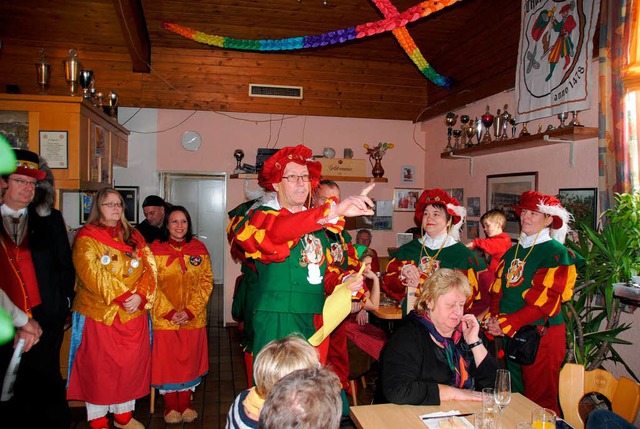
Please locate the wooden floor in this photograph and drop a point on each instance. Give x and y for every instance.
(226, 379)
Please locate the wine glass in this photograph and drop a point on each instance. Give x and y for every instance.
(502, 391)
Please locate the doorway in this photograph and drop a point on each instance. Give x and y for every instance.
(204, 196)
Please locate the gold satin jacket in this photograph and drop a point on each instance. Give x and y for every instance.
(179, 291)
(104, 273)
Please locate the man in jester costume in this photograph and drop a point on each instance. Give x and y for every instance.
(441, 218)
(533, 279)
(287, 242)
(345, 259)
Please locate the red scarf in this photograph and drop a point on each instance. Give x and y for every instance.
(177, 250)
(110, 236)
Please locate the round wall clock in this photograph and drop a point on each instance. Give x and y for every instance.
(191, 141)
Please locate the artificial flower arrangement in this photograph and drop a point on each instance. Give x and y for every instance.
(377, 152)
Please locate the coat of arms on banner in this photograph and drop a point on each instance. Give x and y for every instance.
(554, 57)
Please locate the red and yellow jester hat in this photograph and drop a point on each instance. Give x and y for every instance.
(452, 206)
(274, 166)
(549, 205)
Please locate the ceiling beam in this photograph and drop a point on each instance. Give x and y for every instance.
(134, 29)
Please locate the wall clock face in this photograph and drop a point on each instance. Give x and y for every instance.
(191, 141)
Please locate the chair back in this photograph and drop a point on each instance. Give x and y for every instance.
(575, 383)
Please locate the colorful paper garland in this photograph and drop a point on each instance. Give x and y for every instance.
(393, 21)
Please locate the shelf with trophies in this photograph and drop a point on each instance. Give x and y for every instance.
(78, 136)
(474, 137)
(247, 172)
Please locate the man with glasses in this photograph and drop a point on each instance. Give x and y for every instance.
(38, 277)
(286, 240)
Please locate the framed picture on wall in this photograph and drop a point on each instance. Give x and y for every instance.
(404, 199)
(582, 203)
(503, 193)
(458, 194)
(86, 200)
(408, 174)
(130, 194)
(473, 229)
(473, 206)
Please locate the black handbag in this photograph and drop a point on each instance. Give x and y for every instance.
(522, 348)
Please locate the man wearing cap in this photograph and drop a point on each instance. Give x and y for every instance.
(287, 242)
(38, 277)
(441, 217)
(533, 279)
(151, 227)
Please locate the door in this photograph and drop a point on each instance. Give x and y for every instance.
(204, 197)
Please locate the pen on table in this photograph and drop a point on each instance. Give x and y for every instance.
(446, 416)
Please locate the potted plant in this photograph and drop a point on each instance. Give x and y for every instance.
(612, 256)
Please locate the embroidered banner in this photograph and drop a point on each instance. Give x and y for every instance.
(554, 56)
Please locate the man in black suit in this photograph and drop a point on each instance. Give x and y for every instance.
(38, 276)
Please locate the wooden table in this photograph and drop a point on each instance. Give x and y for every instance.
(388, 312)
(408, 416)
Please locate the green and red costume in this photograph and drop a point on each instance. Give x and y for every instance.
(534, 294)
(454, 255)
(291, 254)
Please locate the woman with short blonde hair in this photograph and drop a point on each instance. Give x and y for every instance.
(277, 359)
(437, 354)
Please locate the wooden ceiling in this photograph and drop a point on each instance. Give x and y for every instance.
(473, 42)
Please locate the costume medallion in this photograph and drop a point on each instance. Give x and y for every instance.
(313, 255)
(105, 260)
(516, 270)
(135, 263)
(428, 265)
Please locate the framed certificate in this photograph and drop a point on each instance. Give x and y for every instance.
(54, 148)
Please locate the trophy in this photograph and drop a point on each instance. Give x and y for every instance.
(72, 71)
(450, 120)
(524, 131)
(563, 117)
(574, 119)
(238, 154)
(513, 122)
(43, 69)
(464, 120)
(112, 102)
(506, 118)
(86, 80)
(470, 131)
(456, 136)
(498, 125)
(99, 98)
(478, 129)
(487, 121)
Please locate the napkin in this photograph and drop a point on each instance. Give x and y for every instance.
(435, 423)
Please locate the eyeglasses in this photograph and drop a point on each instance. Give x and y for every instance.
(112, 205)
(24, 182)
(294, 178)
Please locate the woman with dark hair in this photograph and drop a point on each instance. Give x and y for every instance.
(110, 359)
(185, 281)
(440, 217)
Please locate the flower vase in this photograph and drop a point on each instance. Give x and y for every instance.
(377, 169)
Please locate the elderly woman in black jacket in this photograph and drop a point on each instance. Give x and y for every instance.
(437, 354)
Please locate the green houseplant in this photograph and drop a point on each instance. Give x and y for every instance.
(612, 255)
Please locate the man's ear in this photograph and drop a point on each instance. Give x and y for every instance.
(548, 220)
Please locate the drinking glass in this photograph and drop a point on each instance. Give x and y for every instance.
(488, 404)
(482, 420)
(524, 425)
(502, 391)
(543, 418)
